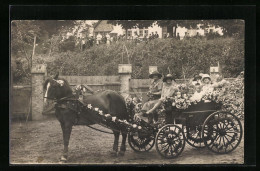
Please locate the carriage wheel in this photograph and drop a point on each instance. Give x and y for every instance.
(224, 131)
(141, 142)
(194, 139)
(170, 141)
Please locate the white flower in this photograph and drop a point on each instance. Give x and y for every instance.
(114, 119)
(100, 112)
(139, 127)
(89, 106)
(96, 109)
(107, 115)
(61, 82)
(134, 125)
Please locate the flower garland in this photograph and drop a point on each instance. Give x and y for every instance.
(110, 118)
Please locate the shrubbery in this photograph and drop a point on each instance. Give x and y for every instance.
(183, 58)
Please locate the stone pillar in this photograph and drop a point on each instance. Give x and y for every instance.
(124, 71)
(152, 69)
(214, 73)
(38, 74)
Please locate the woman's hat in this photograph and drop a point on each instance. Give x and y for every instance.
(205, 76)
(168, 76)
(197, 77)
(155, 73)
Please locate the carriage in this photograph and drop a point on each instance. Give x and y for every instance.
(201, 125)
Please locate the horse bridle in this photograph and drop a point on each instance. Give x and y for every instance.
(61, 83)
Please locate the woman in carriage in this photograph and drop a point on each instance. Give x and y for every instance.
(168, 89)
(154, 95)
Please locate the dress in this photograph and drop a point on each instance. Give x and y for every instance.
(168, 91)
(207, 88)
(156, 86)
(197, 96)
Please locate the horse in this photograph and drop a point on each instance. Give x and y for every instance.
(108, 101)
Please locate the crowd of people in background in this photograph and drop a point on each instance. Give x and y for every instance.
(107, 38)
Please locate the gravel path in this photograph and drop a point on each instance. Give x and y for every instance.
(40, 142)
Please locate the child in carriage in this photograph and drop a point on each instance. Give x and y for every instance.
(198, 93)
(206, 83)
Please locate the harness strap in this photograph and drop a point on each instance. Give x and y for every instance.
(99, 130)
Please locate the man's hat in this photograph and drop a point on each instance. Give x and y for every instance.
(197, 77)
(155, 73)
(168, 76)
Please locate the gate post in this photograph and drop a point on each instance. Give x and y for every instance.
(38, 73)
(124, 71)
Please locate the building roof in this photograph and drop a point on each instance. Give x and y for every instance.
(103, 26)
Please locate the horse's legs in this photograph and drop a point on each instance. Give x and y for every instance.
(115, 146)
(123, 147)
(66, 130)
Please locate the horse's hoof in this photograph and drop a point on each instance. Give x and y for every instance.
(121, 153)
(61, 162)
(113, 153)
(63, 159)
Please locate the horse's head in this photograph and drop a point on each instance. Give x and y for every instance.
(56, 88)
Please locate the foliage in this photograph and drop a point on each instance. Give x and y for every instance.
(22, 37)
(184, 58)
(49, 38)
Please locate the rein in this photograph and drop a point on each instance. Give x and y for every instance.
(63, 98)
(101, 130)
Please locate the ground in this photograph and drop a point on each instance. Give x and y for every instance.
(40, 142)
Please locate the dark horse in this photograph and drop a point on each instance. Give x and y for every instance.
(108, 101)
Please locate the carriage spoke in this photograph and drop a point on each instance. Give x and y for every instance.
(231, 132)
(224, 143)
(229, 142)
(226, 125)
(216, 139)
(229, 135)
(230, 128)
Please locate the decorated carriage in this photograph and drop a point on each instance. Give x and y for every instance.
(212, 121)
(203, 124)
(200, 123)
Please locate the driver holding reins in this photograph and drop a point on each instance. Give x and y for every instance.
(154, 95)
(169, 88)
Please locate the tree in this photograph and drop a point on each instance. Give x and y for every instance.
(234, 28)
(22, 40)
(128, 24)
